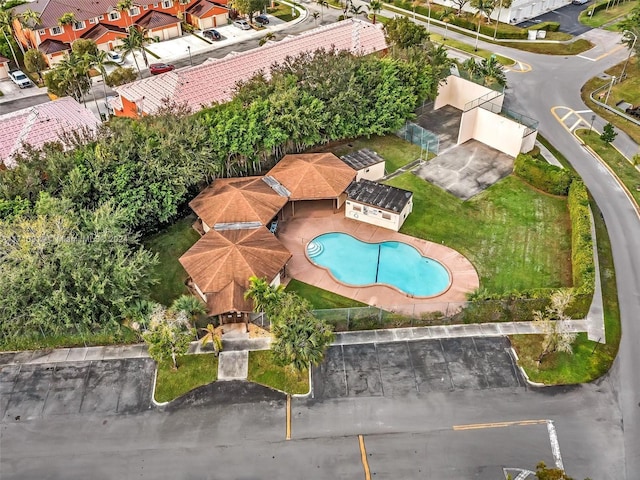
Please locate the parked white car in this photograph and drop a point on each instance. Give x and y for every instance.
(242, 24)
(115, 57)
(20, 79)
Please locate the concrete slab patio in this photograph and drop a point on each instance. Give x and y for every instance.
(298, 231)
(468, 169)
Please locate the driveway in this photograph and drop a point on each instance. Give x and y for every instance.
(104, 387)
(409, 368)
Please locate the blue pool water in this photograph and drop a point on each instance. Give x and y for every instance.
(393, 263)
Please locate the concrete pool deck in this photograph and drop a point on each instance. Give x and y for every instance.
(313, 220)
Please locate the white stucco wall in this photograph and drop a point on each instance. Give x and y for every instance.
(493, 130)
(202, 295)
(205, 227)
(519, 11)
(374, 172)
(457, 92)
(375, 216)
(276, 280)
(529, 142)
(4, 70)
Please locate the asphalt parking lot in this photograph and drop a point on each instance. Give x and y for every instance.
(567, 16)
(103, 387)
(404, 368)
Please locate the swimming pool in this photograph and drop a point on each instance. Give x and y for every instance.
(397, 264)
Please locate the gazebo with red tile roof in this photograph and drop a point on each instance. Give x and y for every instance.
(237, 200)
(221, 263)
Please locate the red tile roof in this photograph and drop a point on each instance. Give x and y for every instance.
(194, 87)
(313, 176)
(202, 7)
(237, 200)
(41, 124)
(53, 46)
(221, 262)
(154, 19)
(51, 10)
(101, 29)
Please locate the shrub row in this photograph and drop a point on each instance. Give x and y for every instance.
(581, 240)
(603, 6)
(548, 26)
(542, 175)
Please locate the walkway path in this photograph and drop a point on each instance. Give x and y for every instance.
(244, 345)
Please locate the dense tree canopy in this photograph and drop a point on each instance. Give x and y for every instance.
(136, 175)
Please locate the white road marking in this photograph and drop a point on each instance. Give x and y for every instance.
(555, 445)
(584, 111)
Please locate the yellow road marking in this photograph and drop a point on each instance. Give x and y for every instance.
(363, 456)
(288, 417)
(478, 426)
(609, 53)
(522, 67)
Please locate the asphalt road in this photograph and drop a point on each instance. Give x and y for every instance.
(471, 418)
(567, 16)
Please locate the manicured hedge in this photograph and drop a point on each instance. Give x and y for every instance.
(548, 26)
(542, 175)
(581, 241)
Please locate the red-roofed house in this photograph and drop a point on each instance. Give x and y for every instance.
(44, 123)
(99, 20)
(205, 14)
(193, 86)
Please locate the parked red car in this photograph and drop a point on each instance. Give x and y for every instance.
(157, 68)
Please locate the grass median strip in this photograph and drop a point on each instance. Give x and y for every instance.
(263, 370)
(193, 371)
(321, 299)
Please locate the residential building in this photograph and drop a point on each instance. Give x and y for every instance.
(101, 21)
(4, 67)
(44, 123)
(215, 80)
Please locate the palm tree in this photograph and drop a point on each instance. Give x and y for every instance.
(29, 19)
(265, 297)
(484, 9)
(315, 16)
(190, 305)
(356, 10)
(99, 60)
(503, 4)
(212, 336)
(6, 26)
(68, 19)
(72, 71)
(473, 67)
(374, 7)
(493, 71)
(129, 45)
(267, 37)
(447, 17)
(124, 6)
(322, 4)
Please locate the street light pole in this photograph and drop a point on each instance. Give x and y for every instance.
(633, 44)
(190, 59)
(613, 80)
(593, 117)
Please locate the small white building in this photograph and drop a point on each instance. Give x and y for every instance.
(378, 204)
(367, 163)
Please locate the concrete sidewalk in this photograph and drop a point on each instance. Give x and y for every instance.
(63, 355)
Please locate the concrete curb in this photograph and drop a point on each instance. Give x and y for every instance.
(524, 374)
(153, 391)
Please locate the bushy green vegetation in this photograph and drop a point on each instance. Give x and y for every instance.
(195, 371)
(542, 175)
(135, 176)
(264, 369)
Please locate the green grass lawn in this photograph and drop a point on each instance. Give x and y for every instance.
(283, 12)
(465, 47)
(264, 371)
(629, 90)
(606, 16)
(193, 371)
(396, 151)
(590, 360)
(170, 244)
(573, 48)
(516, 237)
(321, 299)
(626, 172)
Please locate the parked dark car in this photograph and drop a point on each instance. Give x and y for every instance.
(262, 20)
(212, 34)
(157, 68)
